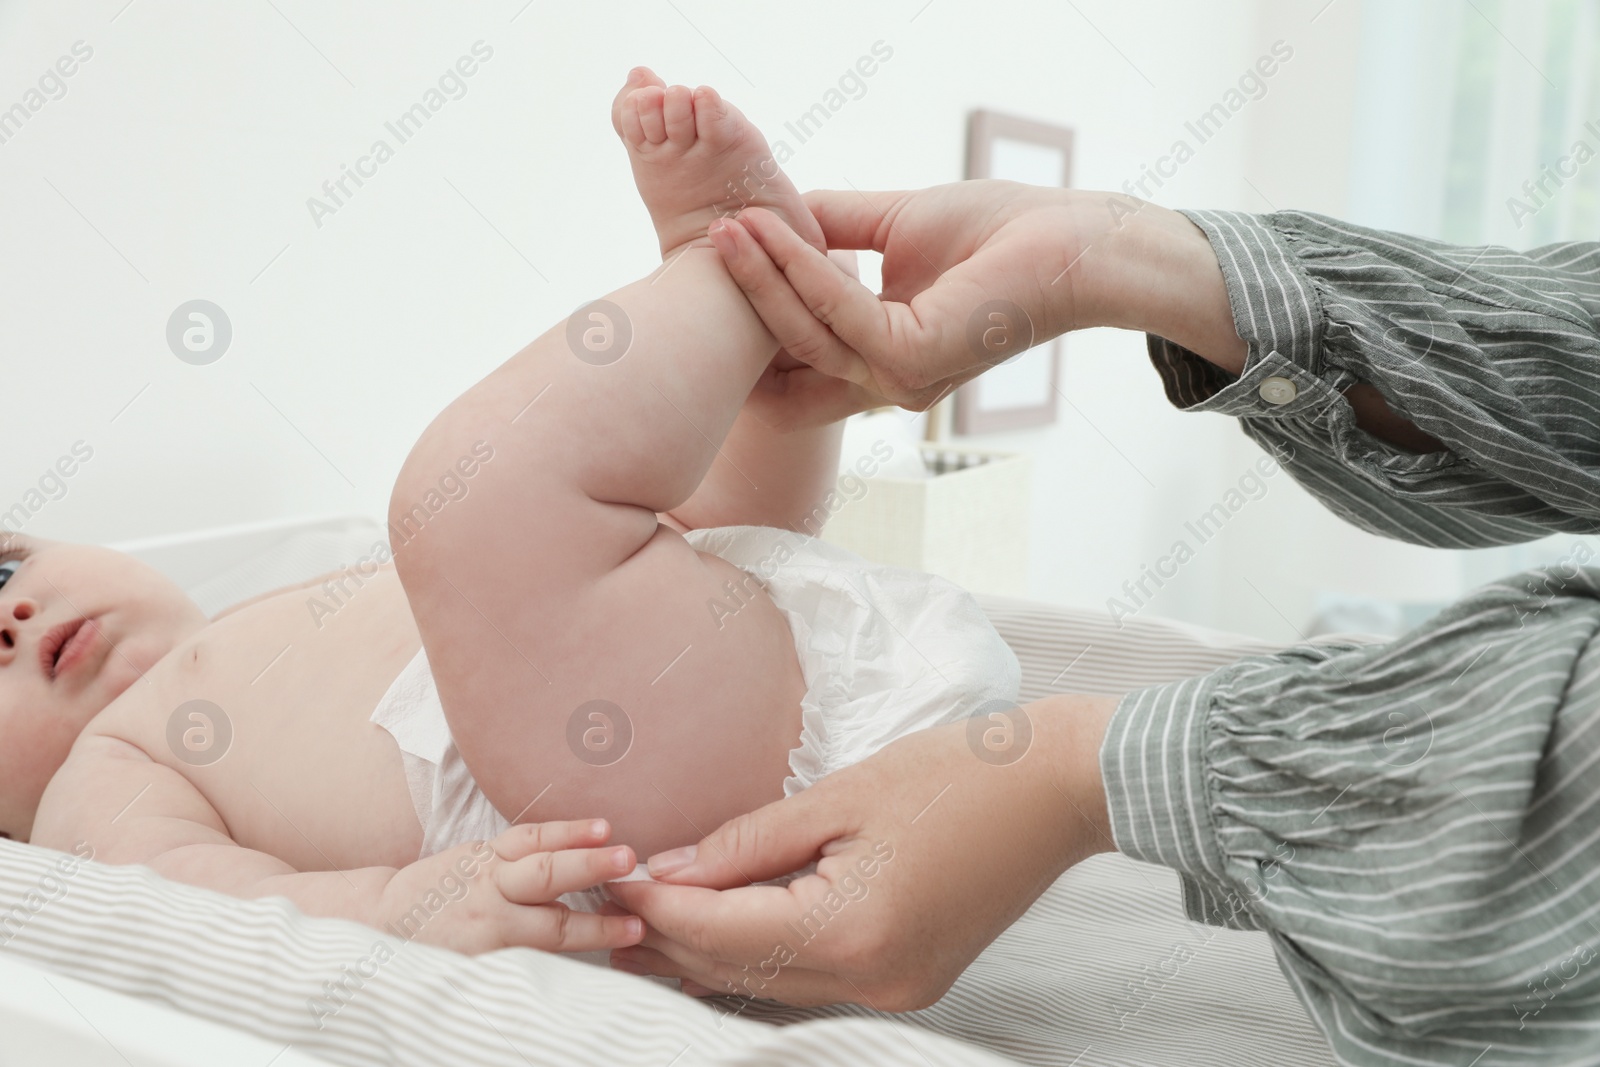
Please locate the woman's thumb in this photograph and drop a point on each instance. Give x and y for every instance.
(778, 839)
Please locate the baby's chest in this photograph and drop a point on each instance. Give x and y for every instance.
(267, 713)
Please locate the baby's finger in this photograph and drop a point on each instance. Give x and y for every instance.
(525, 839)
(558, 928)
(544, 876)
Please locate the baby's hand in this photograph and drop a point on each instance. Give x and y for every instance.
(487, 895)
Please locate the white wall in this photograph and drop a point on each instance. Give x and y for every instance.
(1135, 471)
(179, 163)
(1304, 155)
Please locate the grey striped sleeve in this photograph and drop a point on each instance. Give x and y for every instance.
(1415, 824)
(1494, 352)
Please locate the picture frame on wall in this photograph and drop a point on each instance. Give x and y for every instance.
(1023, 391)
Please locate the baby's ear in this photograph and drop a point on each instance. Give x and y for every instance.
(845, 260)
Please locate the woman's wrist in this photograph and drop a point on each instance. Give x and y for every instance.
(1068, 730)
(1148, 268)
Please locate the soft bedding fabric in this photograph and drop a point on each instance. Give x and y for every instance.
(1103, 970)
(343, 992)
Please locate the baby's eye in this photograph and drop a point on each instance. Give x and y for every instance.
(8, 567)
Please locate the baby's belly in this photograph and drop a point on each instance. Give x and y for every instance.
(267, 712)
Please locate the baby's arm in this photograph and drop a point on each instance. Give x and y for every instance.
(170, 827)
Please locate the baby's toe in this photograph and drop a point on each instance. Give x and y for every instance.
(628, 125)
(715, 120)
(678, 114)
(649, 101)
(637, 77)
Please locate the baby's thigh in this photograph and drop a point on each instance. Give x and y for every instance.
(631, 699)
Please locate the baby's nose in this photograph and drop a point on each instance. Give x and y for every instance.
(13, 611)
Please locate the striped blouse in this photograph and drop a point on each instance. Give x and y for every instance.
(1416, 824)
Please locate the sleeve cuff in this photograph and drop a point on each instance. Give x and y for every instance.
(1277, 311)
(1152, 762)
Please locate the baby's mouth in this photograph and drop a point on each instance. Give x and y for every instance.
(54, 642)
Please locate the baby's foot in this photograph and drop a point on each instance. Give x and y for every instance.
(697, 158)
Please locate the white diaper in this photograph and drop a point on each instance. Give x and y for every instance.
(884, 652)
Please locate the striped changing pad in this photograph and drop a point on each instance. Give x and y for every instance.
(1103, 969)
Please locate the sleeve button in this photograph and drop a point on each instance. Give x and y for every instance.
(1278, 391)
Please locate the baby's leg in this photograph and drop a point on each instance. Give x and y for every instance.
(551, 585)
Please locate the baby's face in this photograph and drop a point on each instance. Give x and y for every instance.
(140, 616)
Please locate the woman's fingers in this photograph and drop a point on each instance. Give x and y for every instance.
(858, 323)
(640, 959)
(826, 318)
(846, 260)
(902, 352)
(781, 981)
(733, 924)
(525, 839)
(544, 876)
(776, 980)
(851, 219)
(803, 398)
(787, 308)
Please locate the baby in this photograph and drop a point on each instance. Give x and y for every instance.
(620, 620)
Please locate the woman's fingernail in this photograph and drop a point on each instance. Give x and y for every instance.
(597, 828)
(721, 234)
(621, 861)
(635, 927)
(665, 863)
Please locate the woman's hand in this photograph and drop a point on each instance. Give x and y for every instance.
(974, 273)
(925, 852)
(985, 243)
(792, 395)
(488, 895)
